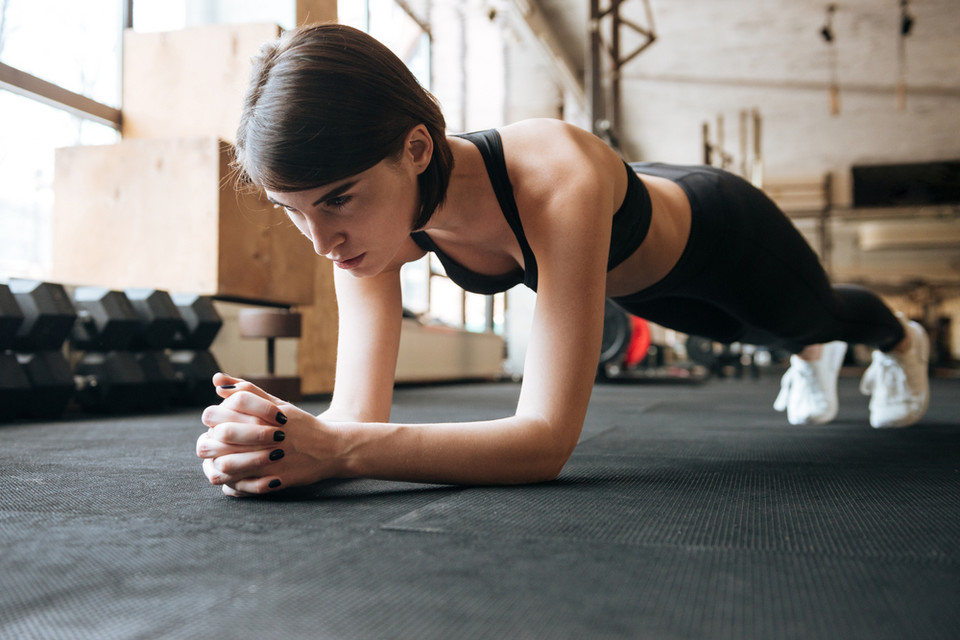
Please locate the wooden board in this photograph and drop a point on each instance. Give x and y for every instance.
(312, 11)
(189, 82)
(317, 355)
(165, 214)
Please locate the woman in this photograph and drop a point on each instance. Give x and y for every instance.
(341, 136)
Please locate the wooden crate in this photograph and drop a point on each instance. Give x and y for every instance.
(189, 82)
(165, 214)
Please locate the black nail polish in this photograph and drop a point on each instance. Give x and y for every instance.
(282, 419)
(278, 436)
(228, 386)
(274, 483)
(276, 454)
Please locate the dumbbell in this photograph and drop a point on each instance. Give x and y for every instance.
(162, 326)
(194, 363)
(48, 317)
(14, 387)
(272, 324)
(14, 383)
(11, 317)
(106, 320)
(201, 320)
(128, 364)
(124, 367)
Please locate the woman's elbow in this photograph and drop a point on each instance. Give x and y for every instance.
(554, 457)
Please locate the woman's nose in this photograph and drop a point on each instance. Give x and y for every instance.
(324, 240)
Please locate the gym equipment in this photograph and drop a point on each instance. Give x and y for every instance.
(723, 359)
(109, 378)
(106, 320)
(10, 317)
(195, 370)
(52, 385)
(616, 336)
(160, 320)
(627, 353)
(192, 360)
(272, 324)
(110, 382)
(161, 325)
(14, 385)
(121, 341)
(202, 323)
(48, 315)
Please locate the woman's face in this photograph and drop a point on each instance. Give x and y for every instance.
(360, 222)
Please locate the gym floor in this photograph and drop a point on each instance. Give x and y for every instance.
(686, 512)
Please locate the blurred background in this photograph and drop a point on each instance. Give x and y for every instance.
(845, 113)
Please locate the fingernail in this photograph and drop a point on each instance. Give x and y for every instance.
(228, 386)
(276, 454)
(282, 419)
(274, 483)
(278, 436)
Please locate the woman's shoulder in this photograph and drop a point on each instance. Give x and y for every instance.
(555, 154)
(549, 133)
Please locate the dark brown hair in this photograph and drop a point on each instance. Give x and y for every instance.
(327, 102)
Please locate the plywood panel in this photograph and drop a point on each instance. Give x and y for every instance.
(189, 82)
(113, 209)
(311, 11)
(317, 356)
(165, 214)
(262, 257)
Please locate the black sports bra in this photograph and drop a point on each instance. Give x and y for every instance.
(630, 224)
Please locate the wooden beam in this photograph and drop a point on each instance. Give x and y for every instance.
(24, 84)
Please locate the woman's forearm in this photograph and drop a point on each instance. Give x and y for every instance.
(513, 450)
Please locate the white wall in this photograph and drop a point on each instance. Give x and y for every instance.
(717, 57)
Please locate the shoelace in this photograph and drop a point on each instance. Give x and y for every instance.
(805, 381)
(886, 373)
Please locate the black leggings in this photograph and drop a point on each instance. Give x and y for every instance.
(747, 275)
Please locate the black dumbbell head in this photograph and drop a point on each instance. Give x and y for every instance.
(112, 382)
(107, 320)
(201, 319)
(159, 318)
(51, 382)
(14, 386)
(10, 318)
(48, 315)
(195, 369)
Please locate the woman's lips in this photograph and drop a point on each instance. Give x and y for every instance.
(352, 263)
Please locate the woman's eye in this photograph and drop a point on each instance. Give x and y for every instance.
(338, 202)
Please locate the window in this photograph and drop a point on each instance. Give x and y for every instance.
(78, 51)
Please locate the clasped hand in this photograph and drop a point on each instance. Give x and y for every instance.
(257, 443)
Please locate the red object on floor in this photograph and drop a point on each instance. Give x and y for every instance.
(639, 342)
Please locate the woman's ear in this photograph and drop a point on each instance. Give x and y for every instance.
(418, 147)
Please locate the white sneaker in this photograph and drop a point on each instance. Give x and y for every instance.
(898, 382)
(808, 390)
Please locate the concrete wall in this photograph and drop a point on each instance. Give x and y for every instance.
(717, 57)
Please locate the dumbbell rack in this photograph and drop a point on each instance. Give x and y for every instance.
(103, 351)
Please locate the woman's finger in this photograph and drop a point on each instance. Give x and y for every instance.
(208, 447)
(244, 434)
(243, 406)
(241, 466)
(228, 385)
(233, 493)
(255, 486)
